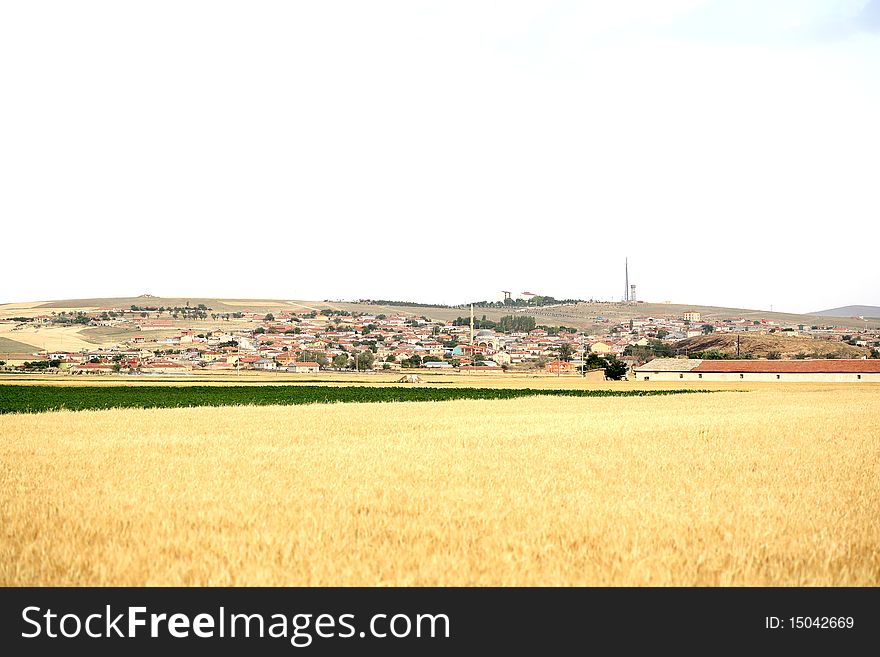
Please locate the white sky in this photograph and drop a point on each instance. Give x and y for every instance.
(442, 151)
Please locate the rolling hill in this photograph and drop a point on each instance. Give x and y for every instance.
(851, 311)
(582, 315)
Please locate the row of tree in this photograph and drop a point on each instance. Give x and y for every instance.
(507, 324)
(537, 300)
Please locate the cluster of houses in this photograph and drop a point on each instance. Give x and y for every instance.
(316, 340)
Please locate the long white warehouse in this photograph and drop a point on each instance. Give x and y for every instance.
(694, 369)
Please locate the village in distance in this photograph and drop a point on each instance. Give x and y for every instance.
(525, 333)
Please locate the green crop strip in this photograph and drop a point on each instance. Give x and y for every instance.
(36, 399)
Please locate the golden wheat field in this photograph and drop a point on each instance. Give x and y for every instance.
(774, 486)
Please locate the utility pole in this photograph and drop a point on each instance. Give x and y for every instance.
(737, 345)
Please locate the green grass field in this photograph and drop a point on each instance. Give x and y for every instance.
(38, 398)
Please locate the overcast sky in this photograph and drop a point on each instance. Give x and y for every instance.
(442, 151)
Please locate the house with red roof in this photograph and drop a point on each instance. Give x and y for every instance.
(694, 369)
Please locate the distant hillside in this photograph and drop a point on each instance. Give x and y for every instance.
(216, 305)
(584, 315)
(850, 311)
(760, 346)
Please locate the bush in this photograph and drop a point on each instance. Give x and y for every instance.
(615, 369)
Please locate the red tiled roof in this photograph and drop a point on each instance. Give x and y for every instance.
(790, 366)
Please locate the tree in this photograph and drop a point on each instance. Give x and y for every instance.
(773, 355)
(313, 357)
(269, 317)
(340, 361)
(518, 323)
(707, 329)
(365, 360)
(566, 351)
(615, 369)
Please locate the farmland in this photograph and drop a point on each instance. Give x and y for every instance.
(56, 338)
(35, 398)
(774, 486)
(7, 345)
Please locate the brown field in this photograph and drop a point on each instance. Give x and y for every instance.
(760, 346)
(55, 338)
(8, 346)
(774, 486)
